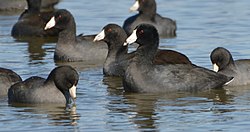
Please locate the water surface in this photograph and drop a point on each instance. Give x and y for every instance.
(102, 105)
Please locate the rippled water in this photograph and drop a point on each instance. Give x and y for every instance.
(102, 105)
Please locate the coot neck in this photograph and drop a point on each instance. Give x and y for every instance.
(146, 53)
(51, 77)
(51, 80)
(116, 49)
(34, 6)
(148, 12)
(122, 51)
(148, 15)
(68, 34)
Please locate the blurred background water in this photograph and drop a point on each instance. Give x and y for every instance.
(102, 105)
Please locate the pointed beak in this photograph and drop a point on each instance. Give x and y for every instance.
(131, 39)
(72, 92)
(134, 7)
(215, 67)
(51, 23)
(99, 36)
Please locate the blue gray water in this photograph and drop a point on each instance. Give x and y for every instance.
(102, 105)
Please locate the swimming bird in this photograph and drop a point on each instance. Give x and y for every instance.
(70, 47)
(144, 76)
(16, 5)
(59, 88)
(32, 21)
(166, 27)
(7, 78)
(224, 63)
(118, 56)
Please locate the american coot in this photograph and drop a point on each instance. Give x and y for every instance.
(147, 14)
(59, 87)
(72, 48)
(118, 58)
(15, 5)
(31, 22)
(7, 78)
(143, 76)
(223, 63)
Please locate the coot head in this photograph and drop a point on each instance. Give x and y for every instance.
(61, 20)
(112, 34)
(144, 35)
(65, 78)
(221, 58)
(144, 6)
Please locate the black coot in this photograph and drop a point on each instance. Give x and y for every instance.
(166, 27)
(144, 76)
(71, 47)
(59, 87)
(32, 22)
(7, 78)
(223, 63)
(118, 58)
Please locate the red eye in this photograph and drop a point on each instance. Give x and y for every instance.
(59, 16)
(141, 32)
(109, 30)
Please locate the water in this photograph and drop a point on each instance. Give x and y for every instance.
(102, 105)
